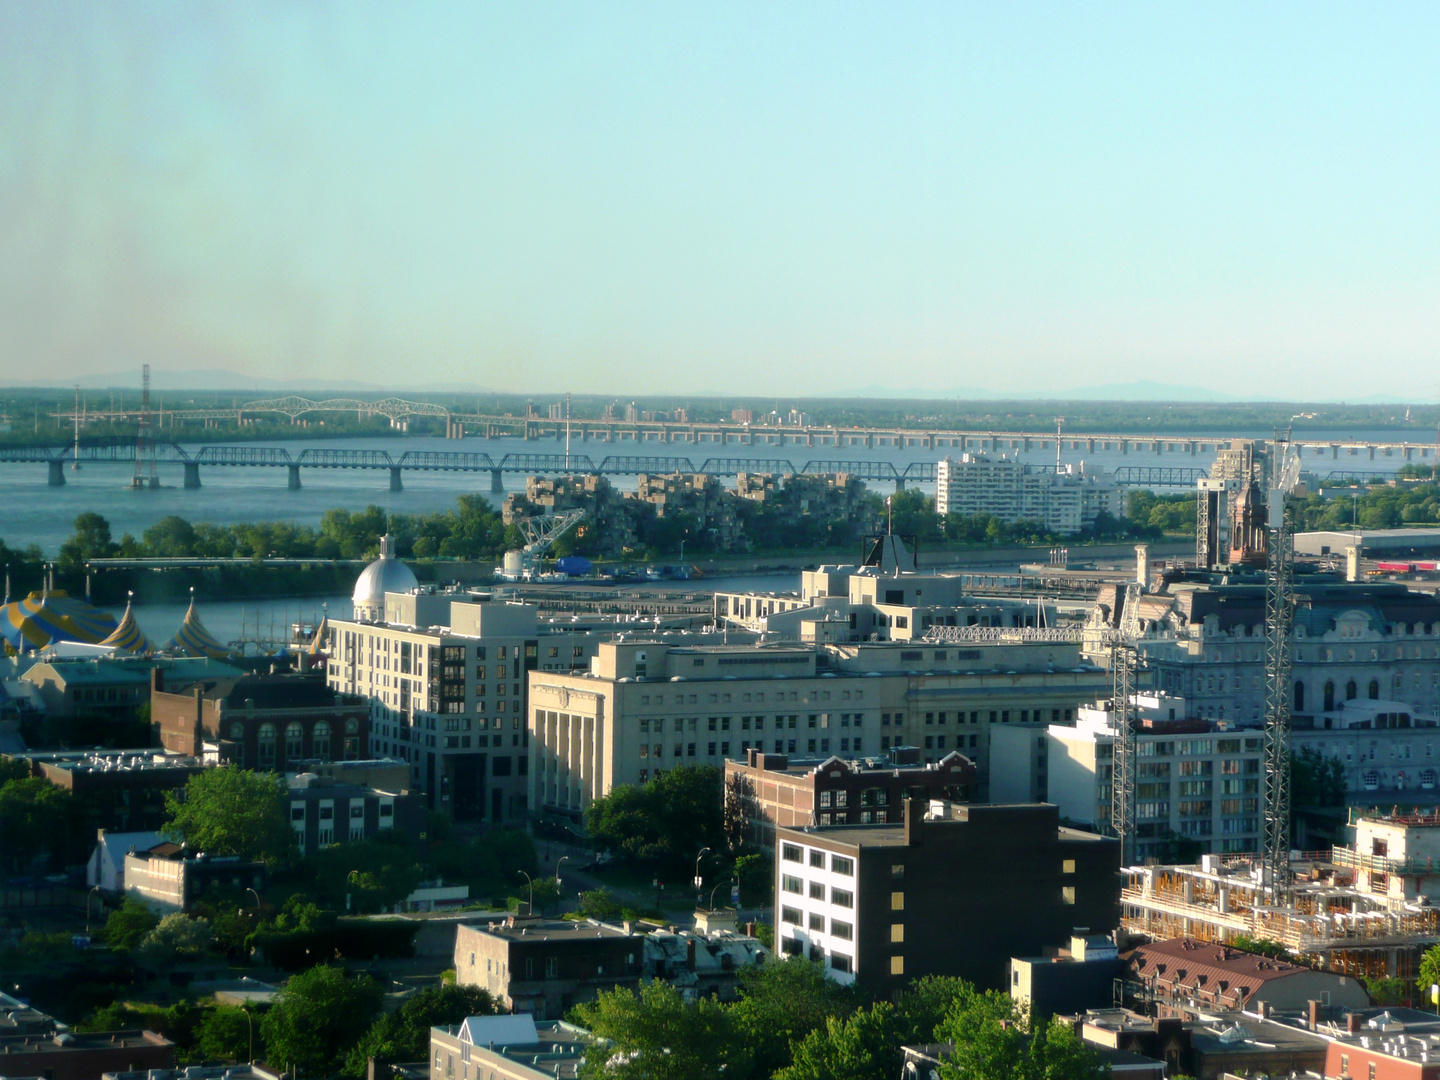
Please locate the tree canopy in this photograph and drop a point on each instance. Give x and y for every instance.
(657, 1035)
(404, 1035)
(232, 811)
(667, 820)
(318, 1017)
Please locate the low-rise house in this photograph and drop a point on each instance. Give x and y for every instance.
(106, 868)
(513, 1047)
(171, 877)
(324, 812)
(1069, 981)
(1223, 1044)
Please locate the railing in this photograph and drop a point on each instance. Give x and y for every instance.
(1380, 864)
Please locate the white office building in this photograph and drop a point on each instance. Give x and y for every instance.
(1066, 500)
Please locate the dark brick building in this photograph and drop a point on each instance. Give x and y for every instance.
(119, 790)
(73, 1055)
(269, 721)
(957, 891)
(769, 791)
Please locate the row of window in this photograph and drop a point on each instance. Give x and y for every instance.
(759, 698)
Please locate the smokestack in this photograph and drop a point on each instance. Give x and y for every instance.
(1352, 564)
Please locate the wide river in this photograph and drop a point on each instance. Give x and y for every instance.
(36, 513)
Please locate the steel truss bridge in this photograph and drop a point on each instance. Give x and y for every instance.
(121, 451)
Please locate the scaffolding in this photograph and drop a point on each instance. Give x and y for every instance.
(1324, 918)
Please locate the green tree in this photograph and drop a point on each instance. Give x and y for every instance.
(658, 1035)
(404, 1035)
(227, 1033)
(667, 820)
(38, 821)
(318, 1017)
(1316, 779)
(176, 936)
(233, 811)
(781, 1003)
(128, 924)
(90, 540)
(992, 1039)
(171, 537)
(864, 1046)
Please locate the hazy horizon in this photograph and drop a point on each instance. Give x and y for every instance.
(807, 200)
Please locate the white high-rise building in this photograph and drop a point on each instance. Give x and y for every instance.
(1064, 501)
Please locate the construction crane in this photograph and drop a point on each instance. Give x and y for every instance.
(540, 533)
(146, 473)
(1279, 654)
(1124, 662)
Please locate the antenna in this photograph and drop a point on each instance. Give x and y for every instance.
(567, 431)
(1059, 423)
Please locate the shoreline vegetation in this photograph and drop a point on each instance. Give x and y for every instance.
(475, 532)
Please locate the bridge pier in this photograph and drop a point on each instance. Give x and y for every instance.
(294, 471)
(395, 484)
(192, 474)
(497, 486)
(899, 484)
(57, 474)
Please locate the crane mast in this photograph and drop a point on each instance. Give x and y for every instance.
(1279, 656)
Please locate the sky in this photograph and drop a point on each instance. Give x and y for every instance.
(780, 198)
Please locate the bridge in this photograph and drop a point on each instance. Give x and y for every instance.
(399, 411)
(120, 450)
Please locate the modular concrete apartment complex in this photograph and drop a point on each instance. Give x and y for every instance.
(647, 706)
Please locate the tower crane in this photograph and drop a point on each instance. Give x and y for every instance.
(1124, 663)
(1279, 654)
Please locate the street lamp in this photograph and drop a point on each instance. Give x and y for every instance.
(530, 909)
(88, 895)
(255, 894)
(557, 872)
(712, 894)
(699, 881)
(250, 1025)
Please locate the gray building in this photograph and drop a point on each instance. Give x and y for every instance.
(325, 812)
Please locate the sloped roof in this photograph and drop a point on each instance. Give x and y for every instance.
(1204, 966)
(517, 1029)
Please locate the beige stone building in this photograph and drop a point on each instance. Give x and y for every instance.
(645, 706)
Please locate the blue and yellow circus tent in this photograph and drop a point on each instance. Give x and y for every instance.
(129, 637)
(44, 618)
(192, 639)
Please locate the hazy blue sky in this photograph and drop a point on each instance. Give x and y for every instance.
(758, 197)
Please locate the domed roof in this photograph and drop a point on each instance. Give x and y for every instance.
(384, 575)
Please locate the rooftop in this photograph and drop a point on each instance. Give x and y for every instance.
(549, 929)
(69, 1042)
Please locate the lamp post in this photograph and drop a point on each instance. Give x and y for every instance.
(699, 881)
(558, 864)
(530, 908)
(255, 894)
(88, 895)
(349, 879)
(712, 894)
(250, 1025)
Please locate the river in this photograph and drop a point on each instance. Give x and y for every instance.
(36, 513)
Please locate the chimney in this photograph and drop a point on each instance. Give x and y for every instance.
(1142, 565)
(1265, 1010)
(1313, 1013)
(1353, 1023)
(914, 819)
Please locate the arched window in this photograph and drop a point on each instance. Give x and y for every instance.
(1374, 690)
(1299, 696)
(352, 739)
(320, 740)
(237, 731)
(1351, 691)
(294, 741)
(267, 746)
(1329, 697)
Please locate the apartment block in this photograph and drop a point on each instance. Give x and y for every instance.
(953, 890)
(1064, 501)
(1194, 779)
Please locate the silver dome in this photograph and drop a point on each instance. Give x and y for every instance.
(385, 574)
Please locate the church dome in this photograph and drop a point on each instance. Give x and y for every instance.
(385, 574)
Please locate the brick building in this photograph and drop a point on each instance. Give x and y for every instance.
(767, 791)
(74, 1055)
(120, 790)
(273, 721)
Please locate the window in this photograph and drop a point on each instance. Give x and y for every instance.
(897, 965)
(897, 871)
(897, 932)
(791, 884)
(790, 852)
(840, 962)
(839, 864)
(320, 740)
(842, 898)
(1067, 894)
(817, 922)
(817, 890)
(790, 915)
(266, 745)
(1067, 866)
(897, 901)
(843, 930)
(817, 859)
(294, 741)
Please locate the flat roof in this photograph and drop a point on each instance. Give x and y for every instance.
(550, 930)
